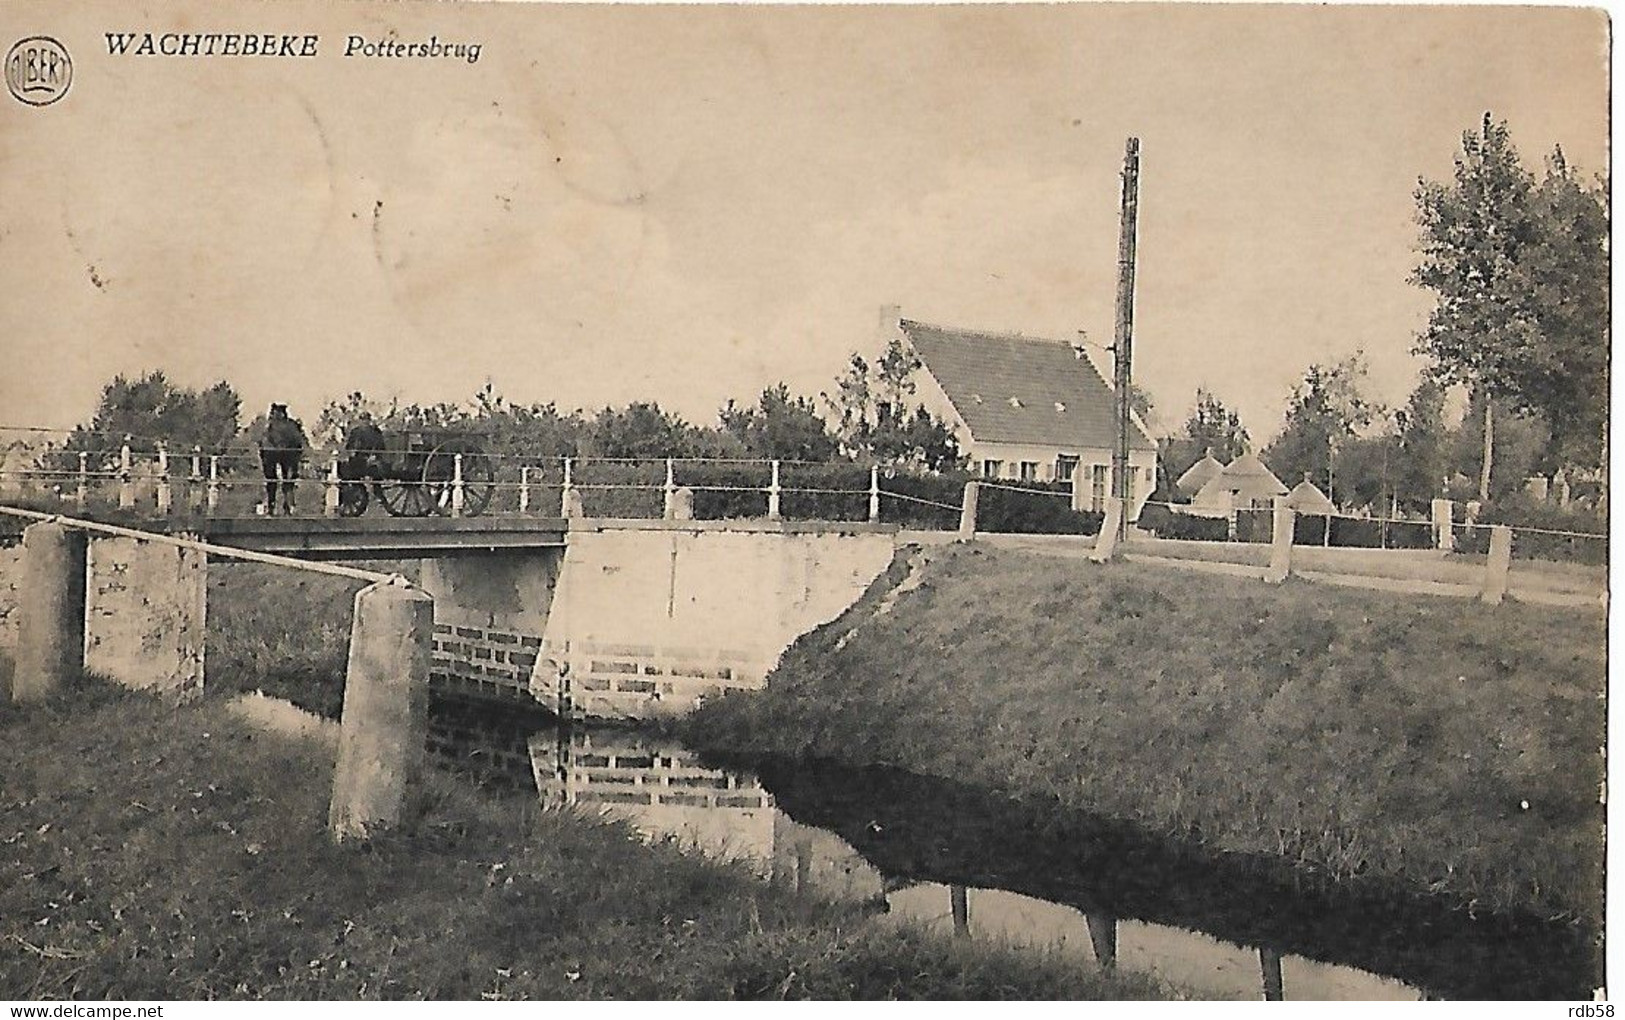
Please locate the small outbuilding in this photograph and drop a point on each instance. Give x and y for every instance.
(1199, 474)
(1306, 498)
(1244, 482)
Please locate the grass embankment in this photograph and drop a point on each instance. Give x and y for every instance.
(1350, 732)
(155, 853)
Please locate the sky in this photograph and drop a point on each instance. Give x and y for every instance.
(687, 204)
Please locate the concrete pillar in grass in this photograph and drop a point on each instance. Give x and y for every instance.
(51, 636)
(1106, 544)
(1103, 938)
(967, 511)
(1269, 968)
(1280, 543)
(959, 906)
(386, 705)
(1500, 563)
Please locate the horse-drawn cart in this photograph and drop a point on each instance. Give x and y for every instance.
(418, 473)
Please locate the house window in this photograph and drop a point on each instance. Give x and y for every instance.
(1097, 476)
(1029, 470)
(1064, 467)
(991, 468)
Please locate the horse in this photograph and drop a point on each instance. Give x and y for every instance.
(280, 454)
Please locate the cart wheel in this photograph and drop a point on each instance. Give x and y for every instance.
(352, 499)
(479, 483)
(440, 472)
(403, 499)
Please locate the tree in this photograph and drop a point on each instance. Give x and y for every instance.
(1520, 271)
(1521, 440)
(643, 431)
(780, 427)
(1565, 380)
(1210, 427)
(876, 420)
(151, 410)
(1325, 411)
(1423, 439)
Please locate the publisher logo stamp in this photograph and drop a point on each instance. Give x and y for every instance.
(38, 70)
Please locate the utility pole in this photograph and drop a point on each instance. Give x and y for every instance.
(1123, 349)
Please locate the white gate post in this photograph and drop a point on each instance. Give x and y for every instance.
(457, 485)
(165, 497)
(524, 489)
(1280, 543)
(874, 494)
(1444, 535)
(967, 511)
(1500, 562)
(1110, 526)
(564, 497)
(773, 491)
(214, 482)
(80, 492)
(330, 488)
(126, 491)
(194, 480)
(669, 509)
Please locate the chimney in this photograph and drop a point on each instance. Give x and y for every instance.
(889, 317)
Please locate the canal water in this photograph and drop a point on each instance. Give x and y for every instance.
(955, 859)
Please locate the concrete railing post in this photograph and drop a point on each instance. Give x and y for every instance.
(458, 488)
(214, 482)
(564, 495)
(386, 706)
(81, 492)
(967, 511)
(773, 492)
(524, 489)
(1230, 529)
(1500, 562)
(1281, 543)
(126, 484)
(874, 494)
(1106, 543)
(330, 488)
(1444, 534)
(51, 636)
(668, 505)
(166, 498)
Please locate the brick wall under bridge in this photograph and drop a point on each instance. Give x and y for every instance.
(637, 619)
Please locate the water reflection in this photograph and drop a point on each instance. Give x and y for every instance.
(972, 867)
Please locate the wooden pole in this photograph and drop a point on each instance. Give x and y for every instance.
(1123, 346)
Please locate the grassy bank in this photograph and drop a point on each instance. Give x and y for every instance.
(286, 632)
(1445, 744)
(160, 853)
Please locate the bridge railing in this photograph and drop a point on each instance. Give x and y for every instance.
(141, 477)
(146, 479)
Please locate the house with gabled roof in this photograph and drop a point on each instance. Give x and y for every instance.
(1025, 408)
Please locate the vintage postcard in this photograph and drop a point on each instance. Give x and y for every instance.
(574, 501)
